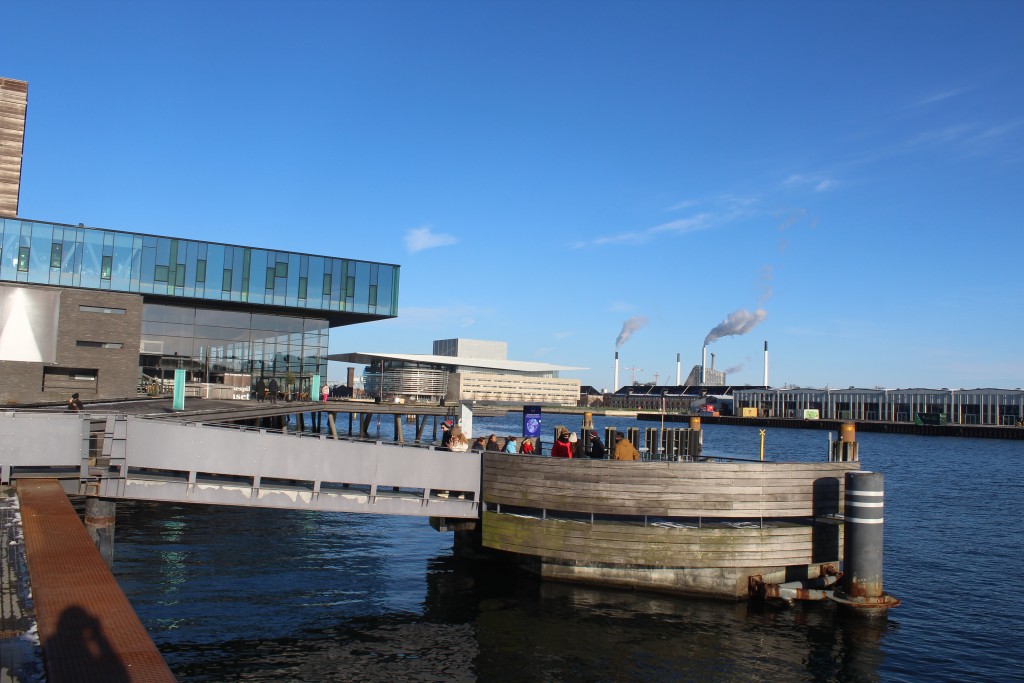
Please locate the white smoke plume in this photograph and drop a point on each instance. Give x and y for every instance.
(738, 322)
(628, 328)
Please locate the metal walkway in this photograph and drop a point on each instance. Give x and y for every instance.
(87, 628)
(120, 456)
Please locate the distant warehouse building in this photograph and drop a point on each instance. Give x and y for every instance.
(463, 370)
(106, 313)
(954, 406)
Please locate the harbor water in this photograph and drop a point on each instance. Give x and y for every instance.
(232, 594)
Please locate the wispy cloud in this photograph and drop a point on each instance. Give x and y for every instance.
(816, 181)
(564, 334)
(418, 239)
(938, 97)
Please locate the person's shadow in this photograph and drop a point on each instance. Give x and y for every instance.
(79, 651)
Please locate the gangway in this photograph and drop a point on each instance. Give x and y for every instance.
(141, 458)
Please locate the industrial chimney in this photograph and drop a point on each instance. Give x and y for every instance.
(765, 362)
(679, 369)
(703, 364)
(615, 383)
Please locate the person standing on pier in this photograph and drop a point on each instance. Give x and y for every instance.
(492, 443)
(510, 445)
(596, 446)
(261, 390)
(624, 450)
(561, 447)
(273, 390)
(446, 434)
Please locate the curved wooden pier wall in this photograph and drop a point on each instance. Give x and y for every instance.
(688, 527)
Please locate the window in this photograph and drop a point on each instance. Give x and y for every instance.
(201, 270)
(100, 309)
(270, 278)
(106, 267)
(99, 345)
(302, 288)
(160, 274)
(282, 269)
(327, 285)
(55, 251)
(23, 259)
(225, 283)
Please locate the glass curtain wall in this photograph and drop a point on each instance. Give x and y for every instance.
(53, 254)
(210, 344)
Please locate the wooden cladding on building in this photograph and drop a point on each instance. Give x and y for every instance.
(745, 490)
(13, 105)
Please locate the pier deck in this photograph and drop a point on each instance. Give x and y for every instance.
(87, 628)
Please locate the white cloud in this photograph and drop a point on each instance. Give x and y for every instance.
(423, 237)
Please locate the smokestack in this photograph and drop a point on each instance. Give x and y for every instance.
(703, 364)
(679, 368)
(615, 383)
(765, 362)
(712, 361)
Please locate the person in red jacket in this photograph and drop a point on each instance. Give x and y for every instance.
(561, 448)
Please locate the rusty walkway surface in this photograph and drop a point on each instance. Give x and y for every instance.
(87, 627)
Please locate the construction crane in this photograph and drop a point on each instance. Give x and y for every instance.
(633, 374)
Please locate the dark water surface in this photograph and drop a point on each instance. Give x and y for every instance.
(233, 594)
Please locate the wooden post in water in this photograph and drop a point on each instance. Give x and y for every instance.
(100, 515)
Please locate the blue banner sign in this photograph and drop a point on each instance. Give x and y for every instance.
(531, 421)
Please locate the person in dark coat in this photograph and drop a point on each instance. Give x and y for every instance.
(75, 403)
(446, 434)
(596, 446)
(261, 389)
(273, 390)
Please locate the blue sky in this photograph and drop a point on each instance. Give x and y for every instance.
(843, 180)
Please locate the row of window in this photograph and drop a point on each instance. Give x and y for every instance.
(46, 253)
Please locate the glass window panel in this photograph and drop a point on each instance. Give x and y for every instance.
(9, 265)
(179, 276)
(237, 319)
(92, 258)
(23, 254)
(302, 288)
(55, 254)
(121, 262)
(315, 278)
(270, 278)
(201, 270)
(170, 314)
(281, 269)
(217, 332)
(163, 251)
(105, 267)
(160, 274)
(225, 284)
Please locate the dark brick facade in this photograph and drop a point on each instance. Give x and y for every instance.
(87, 360)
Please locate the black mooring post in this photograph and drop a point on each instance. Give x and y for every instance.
(863, 545)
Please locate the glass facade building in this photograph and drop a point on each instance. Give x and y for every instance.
(226, 314)
(53, 254)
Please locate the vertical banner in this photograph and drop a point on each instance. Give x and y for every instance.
(314, 390)
(531, 421)
(179, 389)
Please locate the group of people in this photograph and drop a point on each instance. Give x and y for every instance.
(266, 389)
(453, 439)
(566, 445)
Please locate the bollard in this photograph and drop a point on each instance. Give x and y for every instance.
(695, 422)
(845, 450)
(863, 545)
